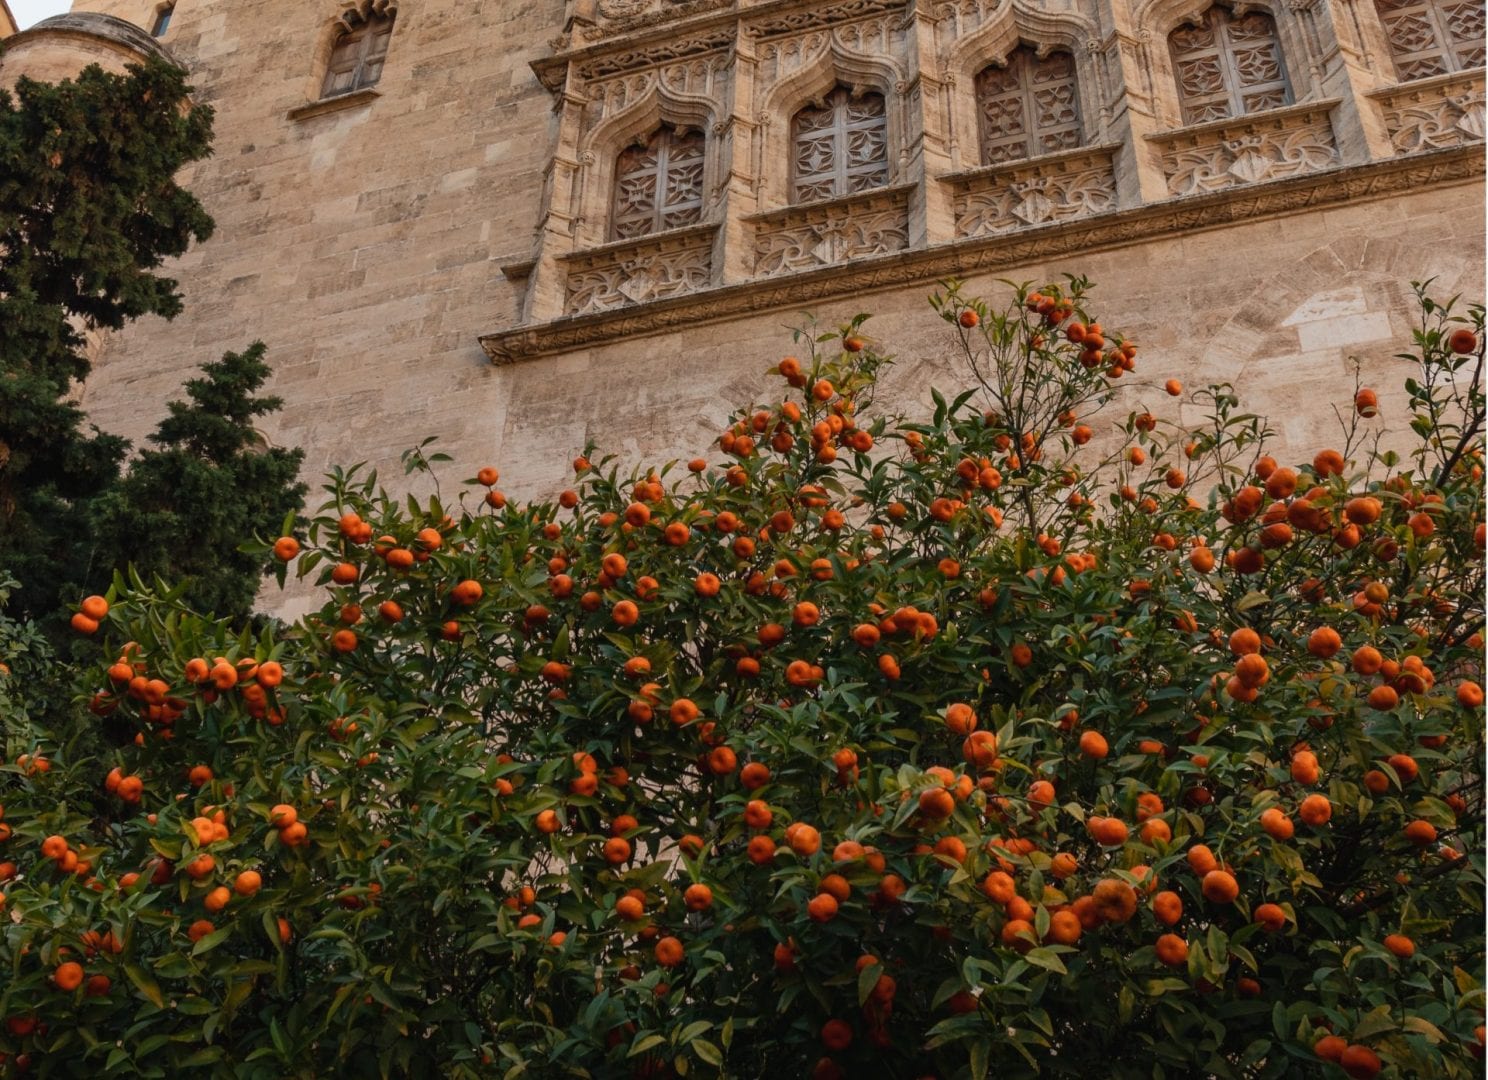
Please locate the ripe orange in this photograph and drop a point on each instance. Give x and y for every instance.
(1270, 916)
(248, 883)
(68, 976)
(1093, 745)
(1172, 950)
(669, 952)
(1360, 1062)
(698, 897)
(1220, 887)
(1400, 945)
(1168, 907)
(616, 849)
(1115, 901)
(1316, 810)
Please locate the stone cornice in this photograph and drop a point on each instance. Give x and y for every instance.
(1171, 217)
(90, 25)
(691, 30)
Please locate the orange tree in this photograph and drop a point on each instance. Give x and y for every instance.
(1000, 739)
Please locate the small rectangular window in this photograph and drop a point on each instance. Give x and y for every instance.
(163, 20)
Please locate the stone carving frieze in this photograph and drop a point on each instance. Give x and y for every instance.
(656, 53)
(792, 21)
(1040, 191)
(639, 271)
(991, 255)
(1247, 150)
(960, 17)
(877, 36)
(700, 76)
(821, 234)
(595, 20)
(1434, 113)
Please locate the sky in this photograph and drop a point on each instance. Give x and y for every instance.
(33, 11)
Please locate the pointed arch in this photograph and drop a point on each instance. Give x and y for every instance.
(812, 87)
(690, 119)
(1057, 58)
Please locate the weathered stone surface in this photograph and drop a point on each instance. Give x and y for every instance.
(366, 243)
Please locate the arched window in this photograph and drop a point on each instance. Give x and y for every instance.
(658, 184)
(1432, 37)
(1028, 106)
(839, 147)
(1228, 65)
(358, 55)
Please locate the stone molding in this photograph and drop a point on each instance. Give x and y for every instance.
(1250, 149)
(1035, 191)
(809, 235)
(919, 266)
(647, 269)
(100, 27)
(320, 107)
(1428, 114)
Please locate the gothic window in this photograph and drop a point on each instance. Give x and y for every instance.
(659, 184)
(1228, 65)
(839, 147)
(358, 55)
(1432, 37)
(1028, 107)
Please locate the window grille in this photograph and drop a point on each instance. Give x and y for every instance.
(1228, 66)
(659, 184)
(1028, 107)
(840, 147)
(1432, 37)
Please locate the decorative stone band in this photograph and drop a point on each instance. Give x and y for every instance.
(1250, 149)
(998, 253)
(651, 268)
(1036, 191)
(1428, 114)
(874, 222)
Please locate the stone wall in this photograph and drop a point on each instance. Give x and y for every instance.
(374, 242)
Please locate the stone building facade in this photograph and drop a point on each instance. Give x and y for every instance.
(521, 224)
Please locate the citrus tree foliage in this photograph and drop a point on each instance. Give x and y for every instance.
(89, 210)
(1009, 740)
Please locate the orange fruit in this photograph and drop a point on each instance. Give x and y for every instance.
(669, 952)
(248, 883)
(1220, 887)
(1168, 907)
(1172, 950)
(1270, 916)
(1400, 945)
(68, 976)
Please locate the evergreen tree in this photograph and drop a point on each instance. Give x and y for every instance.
(182, 509)
(89, 208)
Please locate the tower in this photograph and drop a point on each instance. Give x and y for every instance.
(520, 225)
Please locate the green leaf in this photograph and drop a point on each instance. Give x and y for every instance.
(644, 1043)
(1376, 1022)
(1047, 958)
(1424, 1027)
(708, 1052)
(147, 986)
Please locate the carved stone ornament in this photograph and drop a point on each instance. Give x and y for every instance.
(1039, 191)
(821, 234)
(1433, 113)
(1248, 150)
(1000, 254)
(635, 272)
